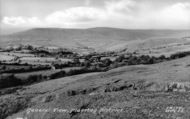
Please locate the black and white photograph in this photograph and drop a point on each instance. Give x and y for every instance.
(94, 59)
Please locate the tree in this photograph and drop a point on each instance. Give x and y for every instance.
(86, 63)
(120, 58)
(162, 57)
(76, 61)
(4, 67)
(106, 62)
(9, 81)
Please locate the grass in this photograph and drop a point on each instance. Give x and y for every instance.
(12, 104)
(144, 105)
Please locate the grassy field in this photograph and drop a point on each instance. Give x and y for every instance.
(5, 57)
(133, 91)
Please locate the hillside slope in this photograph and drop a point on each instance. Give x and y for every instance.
(97, 38)
(142, 91)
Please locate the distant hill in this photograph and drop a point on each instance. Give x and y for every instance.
(100, 38)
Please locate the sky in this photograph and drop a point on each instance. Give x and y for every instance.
(129, 14)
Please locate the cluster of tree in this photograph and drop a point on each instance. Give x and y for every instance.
(94, 60)
(122, 60)
(10, 80)
(15, 63)
(27, 68)
(58, 54)
(74, 72)
(146, 59)
(60, 65)
(101, 54)
(180, 55)
(143, 59)
(43, 51)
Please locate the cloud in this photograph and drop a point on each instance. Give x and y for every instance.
(114, 13)
(75, 15)
(21, 21)
(130, 14)
(179, 12)
(174, 16)
(87, 2)
(122, 6)
(13, 20)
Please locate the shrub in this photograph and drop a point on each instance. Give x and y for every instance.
(57, 75)
(120, 58)
(106, 62)
(32, 79)
(179, 55)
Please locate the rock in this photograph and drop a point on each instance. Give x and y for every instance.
(48, 98)
(178, 87)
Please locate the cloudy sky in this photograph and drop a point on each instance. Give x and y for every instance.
(135, 14)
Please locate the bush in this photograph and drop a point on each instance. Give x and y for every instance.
(106, 62)
(179, 55)
(57, 75)
(29, 68)
(120, 58)
(33, 78)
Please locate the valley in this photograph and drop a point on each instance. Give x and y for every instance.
(54, 73)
